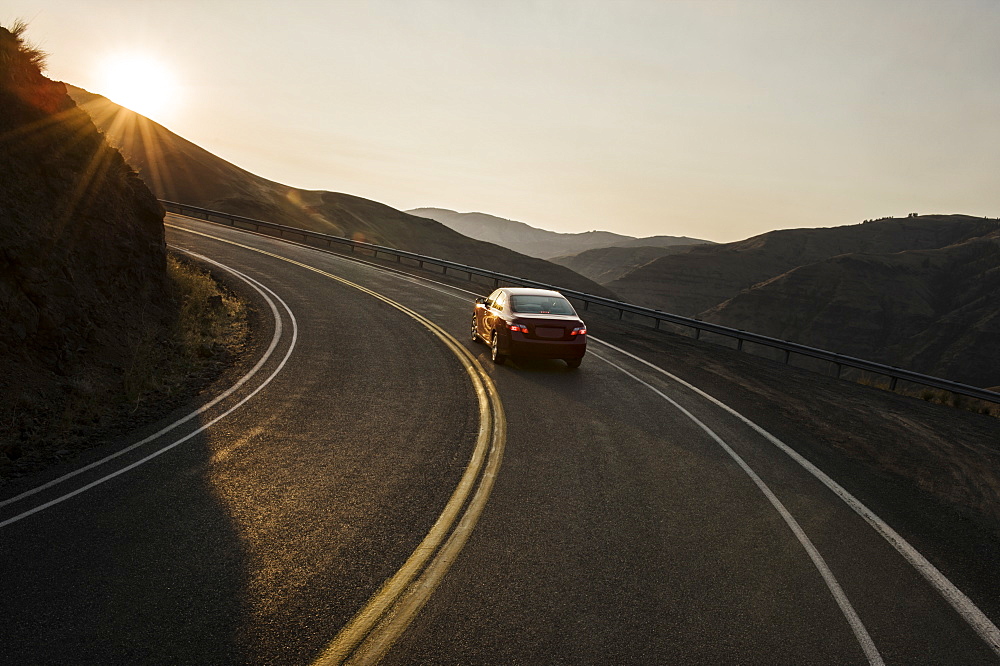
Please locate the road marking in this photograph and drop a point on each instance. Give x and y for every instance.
(867, 644)
(965, 607)
(260, 363)
(372, 631)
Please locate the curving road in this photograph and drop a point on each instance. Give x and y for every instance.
(520, 514)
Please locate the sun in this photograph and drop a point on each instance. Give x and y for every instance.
(139, 83)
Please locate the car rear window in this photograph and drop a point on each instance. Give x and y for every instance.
(541, 305)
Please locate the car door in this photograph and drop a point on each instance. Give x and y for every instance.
(496, 312)
(483, 314)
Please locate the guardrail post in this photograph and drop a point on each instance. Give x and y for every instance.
(839, 368)
(656, 326)
(892, 383)
(621, 313)
(788, 354)
(697, 334)
(739, 344)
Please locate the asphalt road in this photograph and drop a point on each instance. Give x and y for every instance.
(632, 519)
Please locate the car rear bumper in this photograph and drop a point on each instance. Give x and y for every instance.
(547, 348)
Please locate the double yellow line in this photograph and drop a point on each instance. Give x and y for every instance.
(387, 614)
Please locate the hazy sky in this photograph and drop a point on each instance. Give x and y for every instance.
(716, 120)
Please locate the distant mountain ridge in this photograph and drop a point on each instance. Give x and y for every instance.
(607, 264)
(537, 242)
(179, 170)
(916, 292)
(703, 277)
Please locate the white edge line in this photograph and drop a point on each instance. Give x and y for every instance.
(982, 625)
(205, 426)
(867, 644)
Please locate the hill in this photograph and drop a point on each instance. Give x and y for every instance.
(607, 264)
(689, 283)
(178, 170)
(938, 309)
(918, 292)
(537, 242)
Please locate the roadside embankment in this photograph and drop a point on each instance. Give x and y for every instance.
(98, 323)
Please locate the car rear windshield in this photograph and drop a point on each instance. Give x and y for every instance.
(541, 305)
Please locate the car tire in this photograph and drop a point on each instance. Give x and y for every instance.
(498, 358)
(475, 332)
(574, 363)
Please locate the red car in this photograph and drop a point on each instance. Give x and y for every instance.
(530, 323)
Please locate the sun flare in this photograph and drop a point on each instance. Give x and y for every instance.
(139, 83)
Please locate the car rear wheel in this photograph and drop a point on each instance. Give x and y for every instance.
(574, 362)
(498, 358)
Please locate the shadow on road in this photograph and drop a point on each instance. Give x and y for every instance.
(143, 568)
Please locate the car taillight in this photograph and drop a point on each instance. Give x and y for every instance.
(579, 330)
(519, 328)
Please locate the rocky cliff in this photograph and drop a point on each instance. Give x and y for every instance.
(81, 248)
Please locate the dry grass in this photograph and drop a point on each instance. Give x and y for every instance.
(167, 363)
(23, 57)
(211, 322)
(936, 396)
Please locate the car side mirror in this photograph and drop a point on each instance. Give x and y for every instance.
(480, 301)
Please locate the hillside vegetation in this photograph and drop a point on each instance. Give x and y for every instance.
(178, 170)
(916, 292)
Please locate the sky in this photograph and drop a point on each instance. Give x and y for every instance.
(708, 119)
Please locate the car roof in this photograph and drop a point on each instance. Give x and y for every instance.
(526, 291)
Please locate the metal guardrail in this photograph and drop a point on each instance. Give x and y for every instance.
(839, 361)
